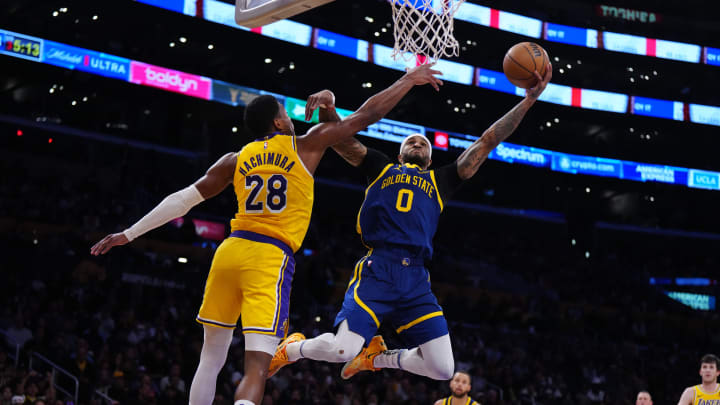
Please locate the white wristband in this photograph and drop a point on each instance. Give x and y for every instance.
(173, 206)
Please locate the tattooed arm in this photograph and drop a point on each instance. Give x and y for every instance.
(474, 156)
(351, 150)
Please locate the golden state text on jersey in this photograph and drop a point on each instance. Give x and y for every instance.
(401, 206)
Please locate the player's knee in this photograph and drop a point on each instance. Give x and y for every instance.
(344, 356)
(346, 352)
(444, 369)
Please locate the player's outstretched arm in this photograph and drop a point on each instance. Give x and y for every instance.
(687, 397)
(474, 156)
(175, 205)
(320, 137)
(352, 150)
(325, 100)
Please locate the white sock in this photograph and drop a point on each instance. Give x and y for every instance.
(328, 347)
(389, 359)
(244, 402)
(212, 358)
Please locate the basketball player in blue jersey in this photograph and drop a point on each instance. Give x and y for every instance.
(252, 270)
(460, 386)
(397, 222)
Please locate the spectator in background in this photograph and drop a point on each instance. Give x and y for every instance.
(173, 379)
(83, 367)
(643, 398)
(147, 393)
(6, 397)
(595, 394)
(36, 388)
(7, 369)
(492, 398)
(18, 333)
(460, 386)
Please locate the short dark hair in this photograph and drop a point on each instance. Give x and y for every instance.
(260, 113)
(710, 359)
(466, 373)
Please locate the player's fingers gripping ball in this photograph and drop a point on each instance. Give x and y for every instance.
(522, 60)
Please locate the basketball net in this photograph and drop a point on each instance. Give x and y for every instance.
(423, 31)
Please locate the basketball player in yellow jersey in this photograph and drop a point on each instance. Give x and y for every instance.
(707, 393)
(252, 270)
(460, 387)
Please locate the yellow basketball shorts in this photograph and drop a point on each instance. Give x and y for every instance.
(250, 277)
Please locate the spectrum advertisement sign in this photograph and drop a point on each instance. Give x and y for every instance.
(510, 153)
(71, 57)
(170, 80)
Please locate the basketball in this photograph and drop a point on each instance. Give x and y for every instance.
(522, 60)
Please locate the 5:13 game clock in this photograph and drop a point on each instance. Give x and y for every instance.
(22, 46)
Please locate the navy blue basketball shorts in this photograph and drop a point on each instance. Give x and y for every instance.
(397, 290)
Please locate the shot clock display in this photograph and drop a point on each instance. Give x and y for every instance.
(22, 46)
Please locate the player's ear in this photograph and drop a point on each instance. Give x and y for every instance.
(278, 123)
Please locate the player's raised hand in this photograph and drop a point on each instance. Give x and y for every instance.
(323, 98)
(107, 243)
(535, 92)
(425, 74)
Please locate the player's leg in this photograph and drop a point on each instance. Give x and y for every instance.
(259, 350)
(330, 347)
(218, 314)
(433, 359)
(251, 279)
(212, 358)
(357, 322)
(419, 320)
(265, 312)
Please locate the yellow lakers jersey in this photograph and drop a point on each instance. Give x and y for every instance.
(706, 398)
(274, 190)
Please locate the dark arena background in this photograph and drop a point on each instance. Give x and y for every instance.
(579, 266)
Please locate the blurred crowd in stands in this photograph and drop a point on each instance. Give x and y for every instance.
(533, 318)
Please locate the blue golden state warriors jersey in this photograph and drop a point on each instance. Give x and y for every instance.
(402, 207)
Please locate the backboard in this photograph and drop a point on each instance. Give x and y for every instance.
(254, 13)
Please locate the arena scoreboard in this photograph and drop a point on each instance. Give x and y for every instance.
(22, 46)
